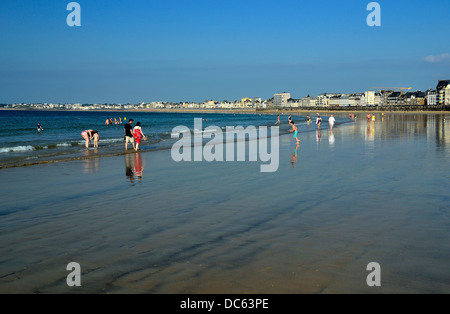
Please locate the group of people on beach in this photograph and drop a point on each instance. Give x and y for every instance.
(370, 117)
(294, 128)
(331, 122)
(131, 135)
(90, 135)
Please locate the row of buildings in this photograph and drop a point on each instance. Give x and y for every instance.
(381, 98)
(384, 97)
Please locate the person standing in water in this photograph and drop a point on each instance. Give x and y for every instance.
(138, 135)
(295, 130)
(129, 136)
(331, 122)
(96, 138)
(318, 122)
(88, 135)
(39, 127)
(308, 119)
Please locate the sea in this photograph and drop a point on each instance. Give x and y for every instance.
(22, 144)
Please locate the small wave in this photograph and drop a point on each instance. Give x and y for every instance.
(16, 149)
(64, 145)
(111, 140)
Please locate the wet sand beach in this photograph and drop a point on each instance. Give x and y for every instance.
(142, 223)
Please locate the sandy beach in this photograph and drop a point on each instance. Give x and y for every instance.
(142, 223)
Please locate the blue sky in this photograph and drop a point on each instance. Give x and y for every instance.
(192, 50)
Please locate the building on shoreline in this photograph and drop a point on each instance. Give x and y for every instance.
(280, 100)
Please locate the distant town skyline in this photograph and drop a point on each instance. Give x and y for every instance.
(141, 51)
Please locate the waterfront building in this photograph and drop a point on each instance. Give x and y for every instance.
(369, 98)
(431, 97)
(441, 90)
(280, 99)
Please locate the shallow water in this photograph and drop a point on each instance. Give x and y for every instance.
(142, 223)
(21, 143)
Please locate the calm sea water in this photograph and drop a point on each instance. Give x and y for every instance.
(20, 142)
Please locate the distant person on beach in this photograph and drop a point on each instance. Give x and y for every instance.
(39, 127)
(278, 120)
(295, 130)
(373, 118)
(289, 119)
(308, 119)
(138, 135)
(331, 122)
(88, 135)
(318, 121)
(107, 122)
(368, 117)
(129, 136)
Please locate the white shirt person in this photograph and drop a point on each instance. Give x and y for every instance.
(331, 121)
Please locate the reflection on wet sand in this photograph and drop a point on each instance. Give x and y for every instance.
(294, 155)
(331, 138)
(91, 165)
(134, 166)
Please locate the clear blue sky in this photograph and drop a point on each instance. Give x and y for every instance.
(192, 50)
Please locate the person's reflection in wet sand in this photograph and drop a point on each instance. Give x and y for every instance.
(91, 165)
(138, 166)
(294, 157)
(331, 138)
(318, 135)
(129, 167)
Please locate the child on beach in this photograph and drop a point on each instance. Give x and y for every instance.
(96, 138)
(295, 130)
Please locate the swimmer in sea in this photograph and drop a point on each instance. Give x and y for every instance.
(39, 127)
